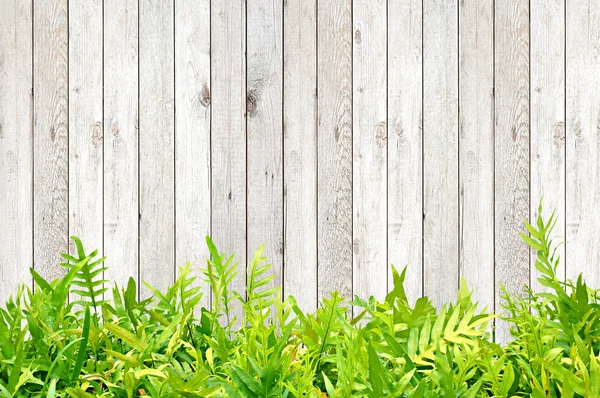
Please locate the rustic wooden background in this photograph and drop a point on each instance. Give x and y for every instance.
(344, 135)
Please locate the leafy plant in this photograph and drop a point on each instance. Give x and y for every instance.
(76, 337)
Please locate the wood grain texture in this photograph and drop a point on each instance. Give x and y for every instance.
(405, 111)
(547, 159)
(511, 148)
(300, 152)
(134, 125)
(16, 107)
(121, 210)
(583, 141)
(369, 121)
(335, 147)
(228, 131)
(476, 148)
(51, 141)
(440, 150)
(157, 140)
(264, 104)
(85, 125)
(192, 132)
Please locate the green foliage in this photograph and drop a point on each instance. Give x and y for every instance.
(86, 281)
(76, 337)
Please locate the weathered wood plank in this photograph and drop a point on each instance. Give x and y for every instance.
(85, 125)
(264, 132)
(51, 141)
(440, 150)
(583, 140)
(121, 210)
(16, 246)
(511, 184)
(334, 72)
(157, 179)
(465, 160)
(405, 110)
(300, 156)
(547, 158)
(192, 132)
(228, 131)
(369, 121)
(476, 148)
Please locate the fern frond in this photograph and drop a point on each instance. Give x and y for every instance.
(327, 322)
(259, 299)
(189, 294)
(220, 272)
(127, 337)
(89, 277)
(451, 327)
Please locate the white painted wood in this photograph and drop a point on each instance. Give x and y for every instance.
(228, 131)
(511, 148)
(300, 152)
(157, 140)
(547, 158)
(16, 106)
(334, 147)
(51, 145)
(463, 169)
(369, 116)
(583, 141)
(85, 125)
(476, 148)
(264, 132)
(405, 145)
(121, 211)
(440, 150)
(192, 132)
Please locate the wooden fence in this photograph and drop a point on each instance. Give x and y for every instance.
(344, 135)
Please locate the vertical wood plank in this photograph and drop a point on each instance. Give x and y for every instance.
(264, 132)
(369, 120)
(511, 148)
(16, 246)
(405, 110)
(85, 124)
(157, 140)
(121, 210)
(583, 140)
(476, 148)
(440, 150)
(334, 73)
(228, 131)
(300, 152)
(547, 159)
(51, 142)
(192, 130)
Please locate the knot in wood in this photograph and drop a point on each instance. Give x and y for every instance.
(356, 246)
(336, 133)
(357, 36)
(205, 95)
(381, 134)
(251, 102)
(97, 137)
(559, 134)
